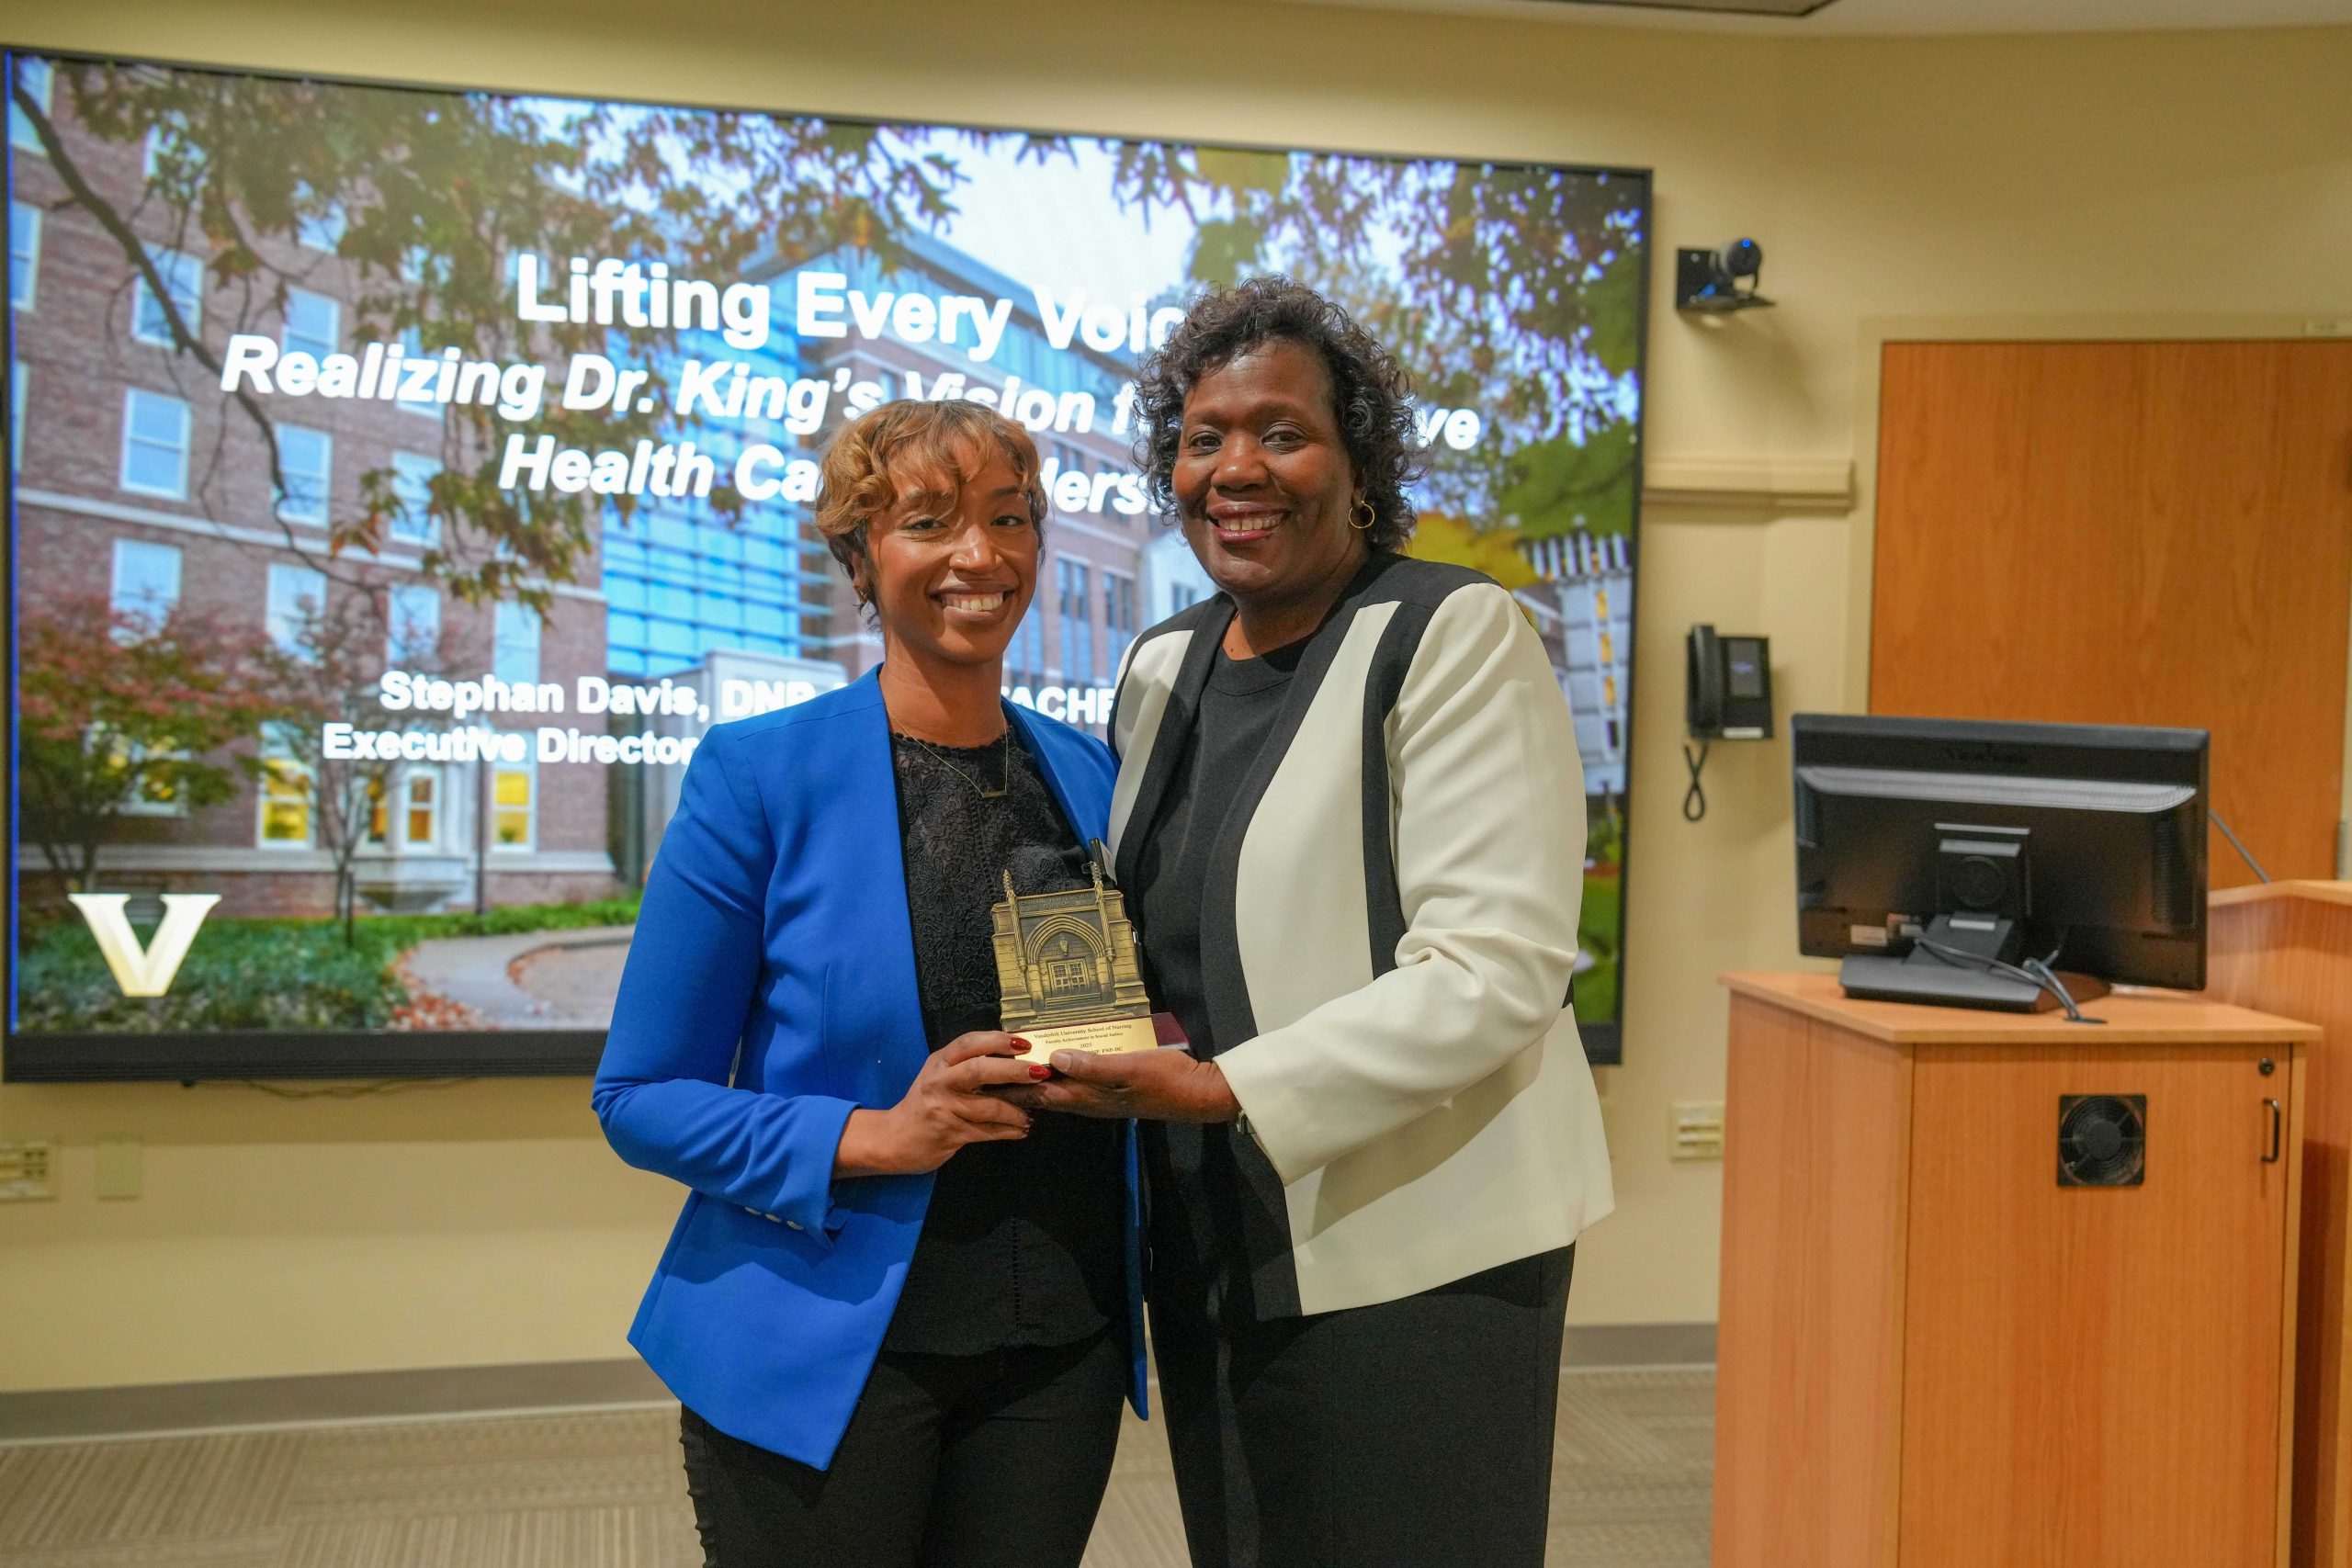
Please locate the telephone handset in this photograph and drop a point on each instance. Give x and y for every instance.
(1727, 695)
(1703, 688)
(1729, 690)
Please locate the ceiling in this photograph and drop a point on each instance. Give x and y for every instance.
(1883, 17)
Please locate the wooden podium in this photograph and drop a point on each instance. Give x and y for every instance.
(2287, 947)
(1933, 1354)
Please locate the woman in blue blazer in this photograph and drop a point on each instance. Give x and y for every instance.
(899, 1311)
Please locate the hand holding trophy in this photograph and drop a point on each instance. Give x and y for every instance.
(1067, 972)
(1072, 989)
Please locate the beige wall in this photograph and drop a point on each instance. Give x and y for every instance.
(2163, 176)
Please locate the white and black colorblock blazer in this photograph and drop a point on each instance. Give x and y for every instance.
(1390, 929)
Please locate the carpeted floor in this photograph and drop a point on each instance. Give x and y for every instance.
(602, 1489)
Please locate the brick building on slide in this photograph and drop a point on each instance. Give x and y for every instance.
(137, 478)
(139, 481)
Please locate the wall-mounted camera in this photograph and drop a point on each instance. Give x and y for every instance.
(1719, 280)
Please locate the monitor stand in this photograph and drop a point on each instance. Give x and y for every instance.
(1923, 978)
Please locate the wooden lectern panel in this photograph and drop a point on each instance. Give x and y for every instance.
(1809, 1347)
(2288, 948)
(2051, 1329)
(1930, 1355)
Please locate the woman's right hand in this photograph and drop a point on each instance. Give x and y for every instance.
(949, 1106)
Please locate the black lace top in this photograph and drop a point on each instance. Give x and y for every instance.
(1022, 1243)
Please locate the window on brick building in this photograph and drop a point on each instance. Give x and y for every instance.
(306, 458)
(313, 323)
(514, 809)
(412, 476)
(413, 347)
(155, 795)
(515, 644)
(1078, 627)
(417, 791)
(34, 76)
(155, 443)
(413, 628)
(421, 809)
(1118, 614)
(286, 787)
(146, 585)
(24, 253)
(170, 158)
(297, 595)
(1024, 657)
(322, 227)
(1072, 461)
(184, 276)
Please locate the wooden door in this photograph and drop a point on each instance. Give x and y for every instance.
(2092, 1376)
(2128, 533)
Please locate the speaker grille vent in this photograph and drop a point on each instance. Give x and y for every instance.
(2102, 1140)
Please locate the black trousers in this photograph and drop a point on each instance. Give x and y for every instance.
(996, 1461)
(1413, 1434)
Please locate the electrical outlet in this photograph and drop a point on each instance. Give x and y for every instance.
(119, 1168)
(1699, 1131)
(28, 1172)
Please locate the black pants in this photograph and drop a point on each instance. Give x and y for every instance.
(996, 1461)
(1413, 1434)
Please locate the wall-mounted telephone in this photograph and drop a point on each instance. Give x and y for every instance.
(1729, 692)
(1727, 695)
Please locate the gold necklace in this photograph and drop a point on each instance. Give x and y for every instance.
(1004, 742)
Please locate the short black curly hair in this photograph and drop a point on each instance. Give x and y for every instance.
(1370, 392)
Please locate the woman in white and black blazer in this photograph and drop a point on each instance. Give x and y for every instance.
(1350, 823)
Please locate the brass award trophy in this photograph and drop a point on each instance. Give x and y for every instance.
(1066, 973)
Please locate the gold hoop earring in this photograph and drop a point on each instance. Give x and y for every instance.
(1364, 507)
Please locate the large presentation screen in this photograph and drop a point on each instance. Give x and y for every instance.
(402, 481)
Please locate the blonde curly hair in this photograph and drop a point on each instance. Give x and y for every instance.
(912, 449)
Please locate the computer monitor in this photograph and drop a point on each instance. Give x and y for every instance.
(1960, 862)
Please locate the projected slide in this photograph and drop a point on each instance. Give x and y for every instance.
(403, 482)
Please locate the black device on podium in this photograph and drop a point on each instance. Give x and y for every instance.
(1966, 862)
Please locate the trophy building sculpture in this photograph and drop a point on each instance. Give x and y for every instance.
(1066, 969)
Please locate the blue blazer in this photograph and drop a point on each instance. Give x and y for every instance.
(770, 990)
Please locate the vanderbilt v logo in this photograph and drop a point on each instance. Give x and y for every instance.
(144, 971)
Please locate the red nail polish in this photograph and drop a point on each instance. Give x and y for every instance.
(1039, 1070)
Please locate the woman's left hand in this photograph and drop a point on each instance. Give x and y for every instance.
(1152, 1086)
